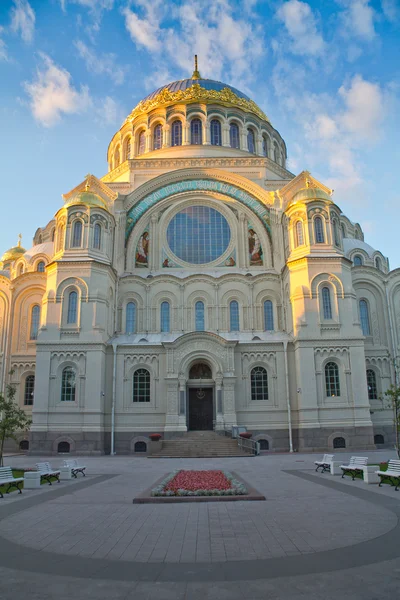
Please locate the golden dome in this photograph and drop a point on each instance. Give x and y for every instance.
(310, 193)
(87, 198)
(14, 253)
(196, 90)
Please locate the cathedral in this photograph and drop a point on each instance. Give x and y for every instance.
(199, 285)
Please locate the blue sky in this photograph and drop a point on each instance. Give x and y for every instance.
(326, 73)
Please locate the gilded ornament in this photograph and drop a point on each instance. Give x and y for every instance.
(196, 93)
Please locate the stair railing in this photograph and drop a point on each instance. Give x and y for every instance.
(249, 446)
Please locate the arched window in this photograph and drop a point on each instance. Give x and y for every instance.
(40, 267)
(68, 385)
(259, 384)
(336, 233)
(251, 141)
(157, 137)
(176, 133)
(35, 321)
(128, 148)
(326, 303)
(165, 317)
(140, 447)
(378, 263)
(268, 316)
(364, 317)
(77, 234)
(130, 317)
(234, 135)
(264, 145)
(357, 260)
(64, 447)
(299, 234)
(60, 238)
(264, 444)
(318, 230)
(199, 316)
(379, 439)
(24, 445)
(29, 389)
(339, 442)
(97, 236)
(196, 136)
(234, 316)
(72, 308)
(141, 386)
(216, 135)
(20, 269)
(342, 227)
(332, 383)
(371, 385)
(142, 142)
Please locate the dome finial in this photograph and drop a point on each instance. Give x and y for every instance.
(196, 74)
(87, 184)
(19, 240)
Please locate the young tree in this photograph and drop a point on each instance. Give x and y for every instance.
(392, 397)
(12, 418)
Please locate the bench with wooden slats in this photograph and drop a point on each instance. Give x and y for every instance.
(75, 467)
(324, 463)
(392, 474)
(355, 466)
(7, 477)
(47, 472)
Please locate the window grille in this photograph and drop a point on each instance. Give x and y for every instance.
(216, 135)
(268, 316)
(357, 261)
(77, 235)
(97, 236)
(326, 303)
(41, 267)
(196, 131)
(234, 316)
(319, 231)
(157, 137)
(72, 308)
(259, 384)
(29, 389)
(364, 317)
(371, 385)
(251, 144)
(234, 136)
(130, 317)
(142, 143)
(176, 133)
(199, 316)
(332, 383)
(165, 317)
(141, 386)
(68, 385)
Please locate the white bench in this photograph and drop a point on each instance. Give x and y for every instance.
(6, 476)
(47, 472)
(355, 466)
(324, 463)
(75, 467)
(392, 474)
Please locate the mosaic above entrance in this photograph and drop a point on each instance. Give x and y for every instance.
(192, 185)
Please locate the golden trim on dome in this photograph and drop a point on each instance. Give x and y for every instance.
(196, 93)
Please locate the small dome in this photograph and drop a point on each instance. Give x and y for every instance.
(310, 193)
(13, 253)
(87, 199)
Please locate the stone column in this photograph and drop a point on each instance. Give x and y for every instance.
(229, 406)
(259, 149)
(219, 407)
(166, 136)
(186, 134)
(148, 142)
(153, 242)
(206, 134)
(242, 241)
(174, 421)
(225, 136)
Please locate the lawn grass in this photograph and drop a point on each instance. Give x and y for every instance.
(18, 473)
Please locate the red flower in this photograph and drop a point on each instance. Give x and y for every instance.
(198, 480)
(155, 437)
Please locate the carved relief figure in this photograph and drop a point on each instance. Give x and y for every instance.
(142, 251)
(255, 248)
(200, 371)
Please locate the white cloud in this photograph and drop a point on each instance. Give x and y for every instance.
(96, 9)
(365, 108)
(101, 63)
(142, 31)
(391, 9)
(225, 42)
(359, 19)
(52, 94)
(108, 112)
(23, 20)
(3, 47)
(301, 26)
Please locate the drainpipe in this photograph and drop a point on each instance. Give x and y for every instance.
(289, 410)
(114, 387)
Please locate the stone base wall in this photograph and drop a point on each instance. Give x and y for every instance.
(84, 443)
(321, 440)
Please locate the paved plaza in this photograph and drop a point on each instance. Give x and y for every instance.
(315, 537)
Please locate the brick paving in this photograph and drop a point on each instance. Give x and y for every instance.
(180, 549)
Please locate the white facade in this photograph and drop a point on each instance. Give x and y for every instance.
(207, 252)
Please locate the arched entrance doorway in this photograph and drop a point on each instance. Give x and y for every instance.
(200, 414)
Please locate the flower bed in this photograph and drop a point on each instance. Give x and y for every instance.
(200, 483)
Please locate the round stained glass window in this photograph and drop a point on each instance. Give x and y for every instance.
(198, 234)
